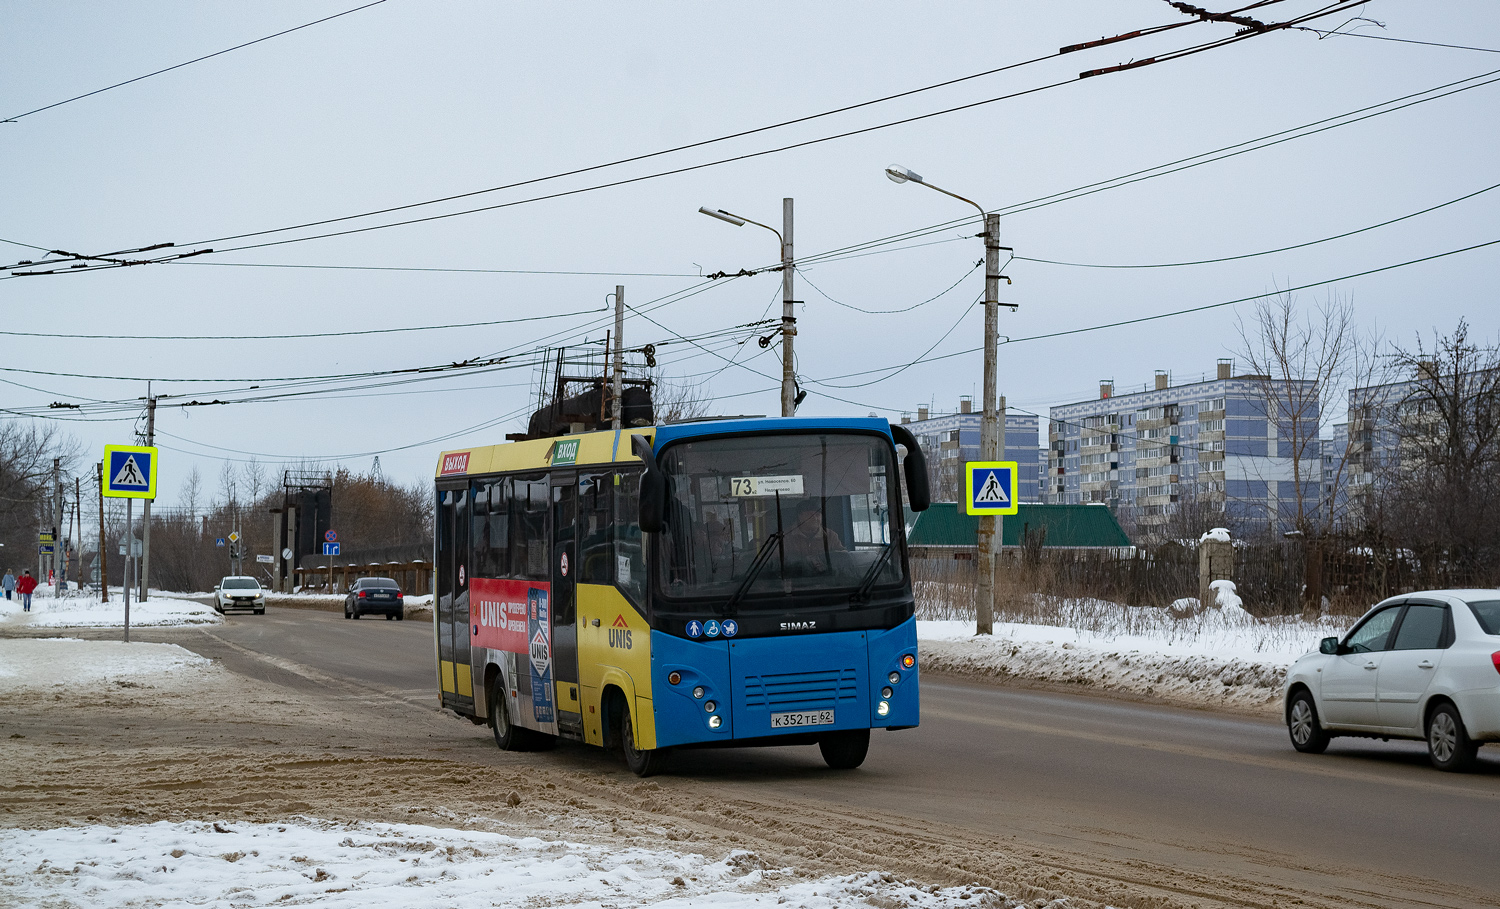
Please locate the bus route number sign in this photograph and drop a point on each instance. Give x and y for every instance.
(745, 487)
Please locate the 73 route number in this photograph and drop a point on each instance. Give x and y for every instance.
(802, 718)
(741, 487)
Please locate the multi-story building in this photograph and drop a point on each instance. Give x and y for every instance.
(1148, 453)
(950, 439)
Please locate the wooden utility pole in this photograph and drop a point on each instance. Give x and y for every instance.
(103, 562)
(146, 504)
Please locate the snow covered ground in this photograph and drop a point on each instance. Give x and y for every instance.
(1220, 657)
(311, 862)
(40, 663)
(83, 610)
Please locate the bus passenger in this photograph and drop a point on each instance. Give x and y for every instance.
(808, 542)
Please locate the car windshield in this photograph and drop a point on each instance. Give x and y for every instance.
(240, 584)
(767, 514)
(1488, 614)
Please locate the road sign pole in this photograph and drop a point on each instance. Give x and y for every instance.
(129, 560)
(146, 504)
(103, 561)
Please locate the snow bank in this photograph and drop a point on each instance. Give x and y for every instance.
(41, 663)
(1228, 601)
(1218, 658)
(382, 865)
(79, 610)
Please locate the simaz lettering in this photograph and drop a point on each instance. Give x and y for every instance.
(799, 626)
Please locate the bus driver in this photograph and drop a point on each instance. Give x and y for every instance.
(808, 542)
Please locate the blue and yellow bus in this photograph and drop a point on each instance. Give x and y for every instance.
(730, 582)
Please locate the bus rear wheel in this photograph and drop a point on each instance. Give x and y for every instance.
(642, 762)
(845, 750)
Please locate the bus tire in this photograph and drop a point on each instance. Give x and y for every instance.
(845, 750)
(642, 762)
(507, 735)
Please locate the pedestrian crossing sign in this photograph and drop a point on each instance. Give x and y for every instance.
(129, 472)
(990, 487)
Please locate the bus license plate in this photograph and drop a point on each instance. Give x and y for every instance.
(802, 718)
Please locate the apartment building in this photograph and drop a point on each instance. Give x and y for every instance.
(950, 439)
(1146, 453)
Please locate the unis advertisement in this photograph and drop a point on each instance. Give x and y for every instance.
(514, 616)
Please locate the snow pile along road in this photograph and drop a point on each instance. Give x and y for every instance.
(1220, 658)
(37, 664)
(371, 866)
(79, 610)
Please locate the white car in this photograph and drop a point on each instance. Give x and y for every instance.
(240, 593)
(1417, 666)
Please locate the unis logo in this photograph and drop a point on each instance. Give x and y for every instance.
(458, 462)
(798, 626)
(619, 634)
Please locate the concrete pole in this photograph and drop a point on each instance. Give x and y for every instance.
(989, 431)
(103, 561)
(291, 543)
(146, 504)
(619, 370)
(277, 528)
(57, 536)
(788, 316)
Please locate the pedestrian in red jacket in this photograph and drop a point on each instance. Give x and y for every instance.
(24, 587)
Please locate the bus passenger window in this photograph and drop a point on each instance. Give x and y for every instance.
(530, 500)
(491, 533)
(595, 546)
(630, 554)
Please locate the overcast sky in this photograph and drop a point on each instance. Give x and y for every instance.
(407, 101)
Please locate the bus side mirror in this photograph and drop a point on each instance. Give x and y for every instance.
(915, 468)
(653, 516)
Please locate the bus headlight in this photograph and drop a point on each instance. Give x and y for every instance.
(674, 677)
(698, 692)
(886, 692)
(895, 677)
(710, 706)
(715, 721)
(883, 708)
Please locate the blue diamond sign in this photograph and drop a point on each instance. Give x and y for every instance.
(990, 487)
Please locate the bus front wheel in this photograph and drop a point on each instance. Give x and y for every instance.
(642, 761)
(845, 750)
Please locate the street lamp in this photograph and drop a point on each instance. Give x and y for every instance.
(788, 318)
(990, 430)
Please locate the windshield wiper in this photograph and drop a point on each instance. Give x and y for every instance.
(863, 593)
(762, 555)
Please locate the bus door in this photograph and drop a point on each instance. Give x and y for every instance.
(565, 599)
(452, 569)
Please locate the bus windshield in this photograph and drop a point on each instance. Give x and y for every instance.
(762, 515)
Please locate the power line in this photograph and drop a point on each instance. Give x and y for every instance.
(1268, 252)
(190, 62)
(885, 312)
(460, 271)
(1323, 34)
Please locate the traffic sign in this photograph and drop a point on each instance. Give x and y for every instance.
(219, 542)
(286, 553)
(990, 487)
(234, 537)
(45, 537)
(264, 559)
(330, 549)
(46, 548)
(129, 472)
(331, 537)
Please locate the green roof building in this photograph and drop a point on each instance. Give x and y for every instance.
(945, 526)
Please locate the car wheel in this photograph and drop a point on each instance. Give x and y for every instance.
(642, 762)
(1308, 735)
(845, 750)
(346, 612)
(354, 612)
(1448, 744)
(400, 616)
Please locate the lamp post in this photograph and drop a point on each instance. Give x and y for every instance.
(989, 426)
(788, 317)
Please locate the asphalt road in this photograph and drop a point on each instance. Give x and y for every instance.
(1191, 791)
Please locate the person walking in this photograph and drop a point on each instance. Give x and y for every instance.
(8, 584)
(24, 587)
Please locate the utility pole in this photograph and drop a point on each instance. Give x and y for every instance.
(617, 416)
(57, 540)
(78, 519)
(788, 315)
(146, 504)
(989, 430)
(103, 563)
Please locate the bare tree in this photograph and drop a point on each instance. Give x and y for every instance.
(1443, 477)
(675, 400)
(1306, 362)
(27, 449)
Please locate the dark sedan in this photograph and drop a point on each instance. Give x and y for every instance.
(375, 596)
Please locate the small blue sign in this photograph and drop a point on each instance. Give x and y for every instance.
(711, 629)
(695, 629)
(990, 487)
(219, 542)
(731, 628)
(330, 549)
